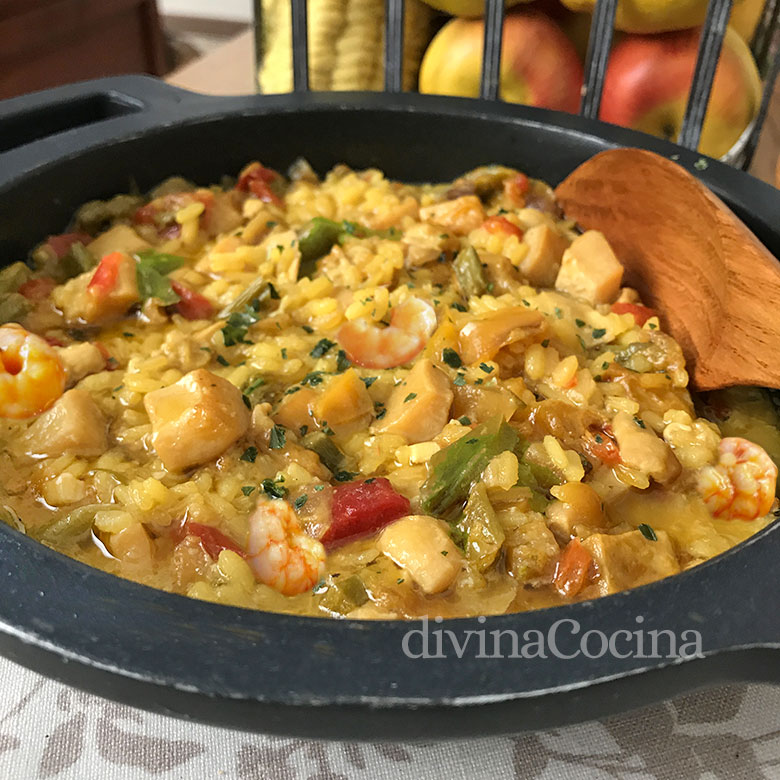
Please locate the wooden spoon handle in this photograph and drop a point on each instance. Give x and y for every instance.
(716, 286)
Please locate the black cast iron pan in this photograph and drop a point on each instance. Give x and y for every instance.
(349, 679)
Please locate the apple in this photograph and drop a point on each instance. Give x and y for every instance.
(649, 77)
(744, 17)
(466, 8)
(539, 66)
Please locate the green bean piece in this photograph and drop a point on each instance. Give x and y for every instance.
(12, 277)
(456, 468)
(9, 517)
(316, 241)
(343, 596)
(71, 528)
(330, 455)
(469, 272)
(484, 533)
(13, 307)
(259, 291)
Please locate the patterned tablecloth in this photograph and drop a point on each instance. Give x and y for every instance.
(50, 730)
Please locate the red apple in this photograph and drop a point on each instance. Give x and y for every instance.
(649, 78)
(539, 66)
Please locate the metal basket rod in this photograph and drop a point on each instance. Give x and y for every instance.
(766, 99)
(599, 46)
(765, 32)
(394, 45)
(491, 52)
(710, 44)
(300, 45)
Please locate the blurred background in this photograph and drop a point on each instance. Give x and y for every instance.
(238, 46)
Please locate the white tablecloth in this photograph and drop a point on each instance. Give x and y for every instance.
(50, 730)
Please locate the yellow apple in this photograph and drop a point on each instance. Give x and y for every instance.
(539, 65)
(649, 77)
(649, 16)
(466, 8)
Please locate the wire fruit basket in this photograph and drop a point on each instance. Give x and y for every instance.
(765, 47)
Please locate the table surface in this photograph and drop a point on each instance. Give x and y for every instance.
(50, 730)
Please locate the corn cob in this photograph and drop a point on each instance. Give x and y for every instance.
(346, 44)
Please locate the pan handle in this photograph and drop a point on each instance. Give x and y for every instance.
(39, 115)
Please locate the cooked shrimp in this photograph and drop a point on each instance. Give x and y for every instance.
(32, 377)
(411, 324)
(741, 485)
(280, 553)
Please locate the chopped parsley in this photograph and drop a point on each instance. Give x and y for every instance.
(308, 328)
(546, 343)
(151, 272)
(344, 476)
(464, 420)
(239, 322)
(381, 413)
(300, 502)
(254, 384)
(459, 380)
(247, 490)
(312, 379)
(342, 361)
(247, 401)
(558, 312)
(647, 532)
(273, 488)
(283, 353)
(579, 323)
(278, 437)
(458, 306)
(599, 333)
(701, 164)
(127, 334)
(322, 347)
(410, 397)
(486, 368)
(451, 357)
(222, 361)
(249, 454)
(639, 422)
(369, 380)
(599, 438)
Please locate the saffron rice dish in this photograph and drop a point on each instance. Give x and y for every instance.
(353, 397)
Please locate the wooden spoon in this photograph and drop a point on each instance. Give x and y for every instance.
(715, 285)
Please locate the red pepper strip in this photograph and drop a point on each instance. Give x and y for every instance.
(516, 188)
(257, 179)
(573, 569)
(193, 305)
(212, 539)
(502, 225)
(363, 507)
(62, 243)
(106, 274)
(641, 313)
(37, 289)
(606, 450)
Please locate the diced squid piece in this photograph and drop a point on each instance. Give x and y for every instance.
(590, 269)
(545, 250)
(419, 407)
(73, 426)
(421, 545)
(641, 449)
(629, 559)
(195, 419)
